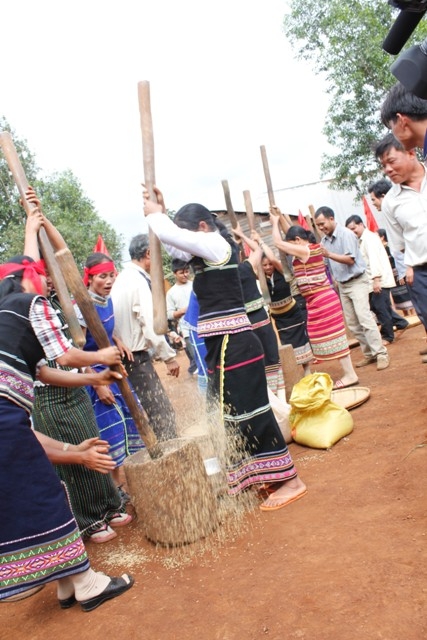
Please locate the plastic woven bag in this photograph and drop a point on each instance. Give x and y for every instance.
(315, 420)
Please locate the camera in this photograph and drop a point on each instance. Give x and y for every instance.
(411, 67)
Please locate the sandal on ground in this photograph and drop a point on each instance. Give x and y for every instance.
(115, 588)
(103, 534)
(120, 519)
(279, 503)
(66, 603)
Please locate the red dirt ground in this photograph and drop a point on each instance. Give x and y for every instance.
(346, 562)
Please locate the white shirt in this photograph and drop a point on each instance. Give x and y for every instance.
(133, 313)
(405, 213)
(184, 244)
(376, 258)
(178, 297)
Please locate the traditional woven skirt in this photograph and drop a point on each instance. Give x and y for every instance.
(262, 327)
(67, 415)
(115, 425)
(292, 330)
(325, 326)
(256, 450)
(39, 537)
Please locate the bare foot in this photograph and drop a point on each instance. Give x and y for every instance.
(288, 492)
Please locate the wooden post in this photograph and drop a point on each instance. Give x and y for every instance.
(251, 221)
(160, 322)
(292, 372)
(284, 220)
(313, 222)
(231, 214)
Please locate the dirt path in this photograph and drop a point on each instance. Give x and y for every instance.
(346, 562)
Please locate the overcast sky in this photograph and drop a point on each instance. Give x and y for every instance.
(223, 82)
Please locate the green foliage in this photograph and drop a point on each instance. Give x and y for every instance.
(342, 41)
(75, 217)
(63, 202)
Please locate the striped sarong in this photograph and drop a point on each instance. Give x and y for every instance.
(325, 321)
(39, 537)
(66, 414)
(256, 450)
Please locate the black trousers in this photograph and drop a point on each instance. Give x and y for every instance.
(387, 317)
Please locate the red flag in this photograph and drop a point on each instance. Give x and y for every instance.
(302, 221)
(100, 246)
(371, 223)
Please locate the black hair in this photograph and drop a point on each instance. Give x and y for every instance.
(177, 265)
(96, 258)
(296, 231)
(325, 211)
(191, 215)
(223, 229)
(382, 234)
(387, 143)
(380, 187)
(354, 218)
(139, 246)
(400, 100)
(13, 282)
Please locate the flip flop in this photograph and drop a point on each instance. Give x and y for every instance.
(265, 507)
(340, 385)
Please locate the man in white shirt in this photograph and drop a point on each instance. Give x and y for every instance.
(348, 269)
(405, 211)
(177, 299)
(133, 312)
(381, 279)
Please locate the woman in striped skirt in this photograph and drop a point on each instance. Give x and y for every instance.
(113, 417)
(66, 414)
(39, 541)
(325, 321)
(258, 316)
(285, 311)
(234, 357)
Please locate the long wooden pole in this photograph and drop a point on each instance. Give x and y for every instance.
(312, 222)
(231, 212)
(284, 220)
(15, 166)
(160, 322)
(93, 321)
(251, 221)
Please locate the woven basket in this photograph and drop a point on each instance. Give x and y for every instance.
(351, 397)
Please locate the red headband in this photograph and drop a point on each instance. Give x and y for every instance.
(31, 271)
(102, 267)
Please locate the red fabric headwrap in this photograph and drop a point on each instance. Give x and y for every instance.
(102, 267)
(31, 271)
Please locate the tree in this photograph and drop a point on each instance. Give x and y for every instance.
(75, 217)
(342, 40)
(63, 202)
